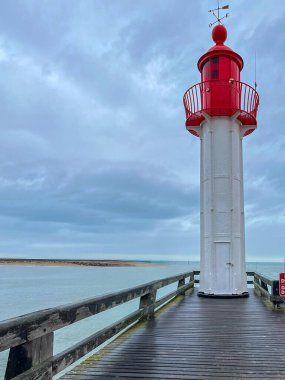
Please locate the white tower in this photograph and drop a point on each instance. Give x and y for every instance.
(221, 110)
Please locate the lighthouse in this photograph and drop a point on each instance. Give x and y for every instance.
(221, 110)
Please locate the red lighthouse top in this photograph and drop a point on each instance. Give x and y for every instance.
(219, 35)
(220, 92)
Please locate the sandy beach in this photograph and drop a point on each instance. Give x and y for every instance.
(88, 263)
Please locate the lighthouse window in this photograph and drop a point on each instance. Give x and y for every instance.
(215, 68)
(206, 69)
(215, 60)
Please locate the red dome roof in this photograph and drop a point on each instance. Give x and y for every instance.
(219, 35)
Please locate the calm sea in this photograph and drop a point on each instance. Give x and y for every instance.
(27, 289)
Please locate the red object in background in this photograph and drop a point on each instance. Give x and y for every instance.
(282, 284)
(220, 92)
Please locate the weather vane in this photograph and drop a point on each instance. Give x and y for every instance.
(217, 16)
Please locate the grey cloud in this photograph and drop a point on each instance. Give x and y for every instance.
(103, 199)
(94, 156)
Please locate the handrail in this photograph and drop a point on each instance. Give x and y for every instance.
(241, 98)
(268, 288)
(30, 337)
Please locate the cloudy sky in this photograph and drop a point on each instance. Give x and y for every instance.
(95, 161)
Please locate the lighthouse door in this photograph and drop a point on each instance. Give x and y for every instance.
(224, 268)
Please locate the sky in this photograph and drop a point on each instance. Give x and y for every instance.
(95, 160)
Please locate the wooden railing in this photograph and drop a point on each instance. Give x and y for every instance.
(30, 337)
(268, 288)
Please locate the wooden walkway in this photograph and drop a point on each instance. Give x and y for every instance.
(196, 338)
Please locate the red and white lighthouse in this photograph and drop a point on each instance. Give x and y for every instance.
(221, 110)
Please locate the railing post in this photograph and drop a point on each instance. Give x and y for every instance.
(256, 280)
(27, 355)
(147, 303)
(275, 293)
(263, 285)
(275, 288)
(181, 283)
(192, 279)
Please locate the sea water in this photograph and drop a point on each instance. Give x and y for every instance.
(24, 289)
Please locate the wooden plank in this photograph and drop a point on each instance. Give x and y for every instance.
(196, 338)
(16, 331)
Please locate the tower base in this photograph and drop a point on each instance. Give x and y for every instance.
(208, 295)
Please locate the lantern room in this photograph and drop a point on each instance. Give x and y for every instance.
(220, 62)
(220, 92)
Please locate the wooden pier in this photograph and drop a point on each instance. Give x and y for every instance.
(197, 338)
(191, 338)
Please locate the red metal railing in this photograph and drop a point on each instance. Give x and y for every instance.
(221, 98)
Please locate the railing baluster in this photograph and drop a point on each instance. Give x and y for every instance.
(189, 104)
(185, 103)
(251, 103)
(200, 98)
(196, 99)
(254, 107)
(242, 96)
(247, 104)
(192, 108)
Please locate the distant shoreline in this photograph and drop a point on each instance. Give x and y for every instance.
(80, 263)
